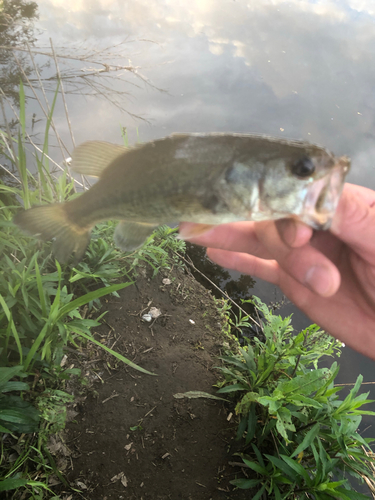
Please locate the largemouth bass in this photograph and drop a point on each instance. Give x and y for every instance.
(204, 178)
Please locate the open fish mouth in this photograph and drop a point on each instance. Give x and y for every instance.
(323, 196)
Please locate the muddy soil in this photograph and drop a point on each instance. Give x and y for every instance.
(134, 436)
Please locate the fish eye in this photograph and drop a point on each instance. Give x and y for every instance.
(303, 167)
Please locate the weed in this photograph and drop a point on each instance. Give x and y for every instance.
(41, 309)
(136, 428)
(159, 250)
(300, 440)
(16, 414)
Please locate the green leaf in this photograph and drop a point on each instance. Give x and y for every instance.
(9, 316)
(245, 484)
(349, 402)
(14, 386)
(332, 485)
(241, 427)
(116, 354)
(307, 440)
(88, 297)
(318, 465)
(284, 422)
(18, 415)
(22, 118)
(8, 373)
(321, 496)
(300, 470)
(351, 494)
(248, 356)
(42, 297)
(323, 458)
(273, 403)
(356, 387)
(349, 424)
(305, 384)
(12, 484)
(260, 493)
(276, 492)
(234, 361)
(251, 424)
(334, 370)
(254, 466)
(361, 440)
(35, 346)
(232, 388)
(263, 376)
(300, 400)
(259, 455)
(280, 464)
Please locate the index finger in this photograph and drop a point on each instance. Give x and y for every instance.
(235, 236)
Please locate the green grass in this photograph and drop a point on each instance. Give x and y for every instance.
(41, 310)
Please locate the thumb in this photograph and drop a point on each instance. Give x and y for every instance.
(354, 220)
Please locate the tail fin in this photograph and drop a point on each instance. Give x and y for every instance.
(51, 222)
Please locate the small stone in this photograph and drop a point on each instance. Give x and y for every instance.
(154, 312)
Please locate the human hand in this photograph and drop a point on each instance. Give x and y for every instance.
(329, 275)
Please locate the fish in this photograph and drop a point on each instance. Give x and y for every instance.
(209, 179)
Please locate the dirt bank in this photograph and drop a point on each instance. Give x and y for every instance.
(132, 437)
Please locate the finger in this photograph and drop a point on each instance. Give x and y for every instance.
(294, 233)
(354, 221)
(236, 236)
(306, 264)
(366, 193)
(267, 270)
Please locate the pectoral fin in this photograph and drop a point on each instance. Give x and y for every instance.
(131, 235)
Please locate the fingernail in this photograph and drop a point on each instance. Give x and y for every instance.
(293, 232)
(287, 230)
(184, 231)
(318, 279)
(188, 230)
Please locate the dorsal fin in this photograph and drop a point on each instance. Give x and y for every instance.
(93, 157)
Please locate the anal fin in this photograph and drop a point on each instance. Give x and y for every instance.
(131, 235)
